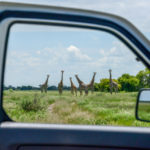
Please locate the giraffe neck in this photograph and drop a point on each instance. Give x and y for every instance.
(92, 81)
(79, 81)
(62, 77)
(72, 85)
(110, 79)
(71, 82)
(46, 81)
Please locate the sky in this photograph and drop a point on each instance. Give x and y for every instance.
(35, 51)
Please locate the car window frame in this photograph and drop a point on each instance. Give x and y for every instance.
(113, 24)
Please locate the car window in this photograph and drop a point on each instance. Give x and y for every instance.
(67, 75)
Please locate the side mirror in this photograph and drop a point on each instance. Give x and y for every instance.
(143, 105)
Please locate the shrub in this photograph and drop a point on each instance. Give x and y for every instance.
(104, 85)
(144, 78)
(128, 83)
(31, 105)
(96, 87)
(11, 90)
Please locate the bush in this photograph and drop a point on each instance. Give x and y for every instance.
(96, 87)
(31, 105)
(128, 83)
(11, 90)
(104, 85)
(144, 78)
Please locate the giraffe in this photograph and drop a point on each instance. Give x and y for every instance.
(91, 84)
(44, 86)
(112, 84)
(73, 87)
(60, 85)
(82, 86)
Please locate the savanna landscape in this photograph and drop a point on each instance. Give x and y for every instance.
(62, 106)
(100, 108)
(43, 76)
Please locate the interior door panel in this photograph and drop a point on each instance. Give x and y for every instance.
(66, 148)
(14, 135)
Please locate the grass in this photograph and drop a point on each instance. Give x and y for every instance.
(98, 109)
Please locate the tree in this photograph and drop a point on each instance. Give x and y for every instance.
(144, 78)
(104, 85)
(53, 88)
(96, 87)
(128, 83)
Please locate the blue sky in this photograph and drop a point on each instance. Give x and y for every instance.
(34, 52)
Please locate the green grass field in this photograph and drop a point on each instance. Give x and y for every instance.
(97, 109)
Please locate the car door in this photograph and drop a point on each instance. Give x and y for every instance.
(26, 136)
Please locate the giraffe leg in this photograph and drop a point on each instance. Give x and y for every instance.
(115, 90)
(76, 91)
(92, 90)
(110, 89)
(60, 91)
(86, 91)
(80, 92)
(71, 91)
(45, 90)
(41, 89)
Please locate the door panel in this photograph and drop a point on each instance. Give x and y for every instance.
(17, 134)
(66, 148)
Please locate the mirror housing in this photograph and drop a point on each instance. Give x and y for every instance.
(142, 112)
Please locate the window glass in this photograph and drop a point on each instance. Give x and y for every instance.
(71, 76)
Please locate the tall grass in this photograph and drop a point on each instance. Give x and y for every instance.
(98, 109)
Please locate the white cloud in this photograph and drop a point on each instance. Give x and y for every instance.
(77, 52)
(19, 58)
(119, 58)
(47, 50)
(38, 52)
(31, 61)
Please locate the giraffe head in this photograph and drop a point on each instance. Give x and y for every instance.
(110, 70)
(76, 75)
(48, 76)
(62, 71)
(95, 73)
(70, 78)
